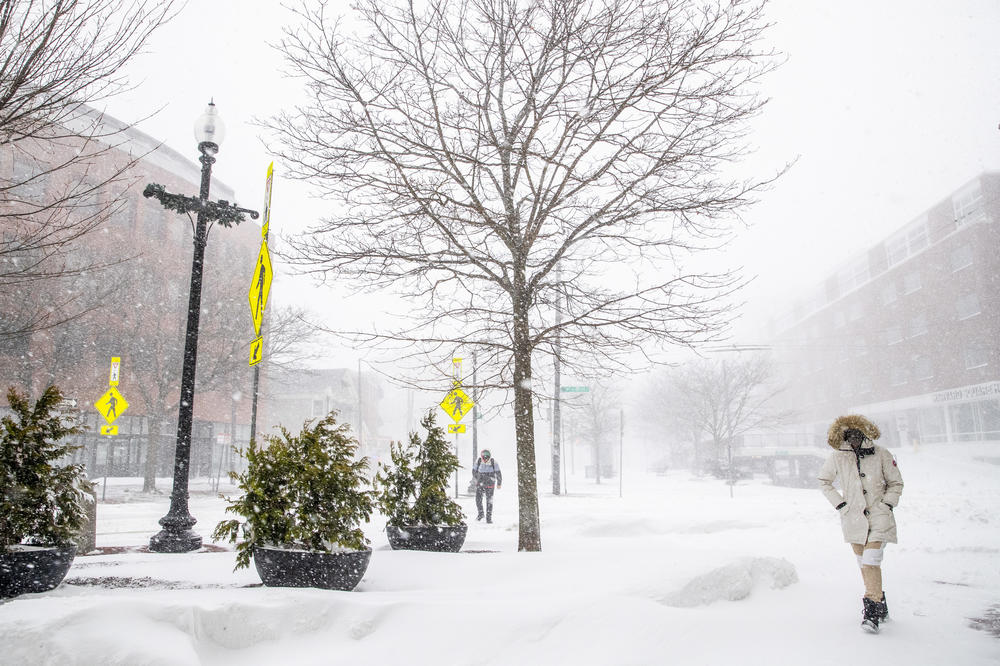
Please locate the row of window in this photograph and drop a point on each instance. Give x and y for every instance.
(918, 368)
(968, 207)
(965, 307)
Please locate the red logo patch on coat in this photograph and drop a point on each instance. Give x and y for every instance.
(894, 463)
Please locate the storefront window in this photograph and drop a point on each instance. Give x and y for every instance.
(963, 422)
(932, 426)
(989, 411)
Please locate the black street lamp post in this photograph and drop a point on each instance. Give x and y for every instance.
(177, 535)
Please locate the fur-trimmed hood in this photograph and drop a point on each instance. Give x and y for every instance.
(835, 436)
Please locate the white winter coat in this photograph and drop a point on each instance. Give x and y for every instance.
(870, 494)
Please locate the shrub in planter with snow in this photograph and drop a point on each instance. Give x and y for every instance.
(41, 500)
(304, 499)
(413, 493)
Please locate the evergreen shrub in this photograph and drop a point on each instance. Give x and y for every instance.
(41, 497)
(414, 489)
(305, 491)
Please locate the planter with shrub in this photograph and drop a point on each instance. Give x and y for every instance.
(41, 496)
(413, 493)
(304, 499)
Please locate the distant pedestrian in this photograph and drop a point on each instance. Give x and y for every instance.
(486, 473)
(870, 486)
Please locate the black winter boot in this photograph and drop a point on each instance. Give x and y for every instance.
(870, 616)
(883, 610)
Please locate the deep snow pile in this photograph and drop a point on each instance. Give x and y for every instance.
(674, 572)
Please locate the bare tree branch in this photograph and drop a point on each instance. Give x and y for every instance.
(69, 166)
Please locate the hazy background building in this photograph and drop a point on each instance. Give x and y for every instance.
(906, 332)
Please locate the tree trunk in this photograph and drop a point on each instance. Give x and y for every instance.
(529, 530)
(152, 454)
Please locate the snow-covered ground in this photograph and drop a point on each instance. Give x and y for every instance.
(675, 572)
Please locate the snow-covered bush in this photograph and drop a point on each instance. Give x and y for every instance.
(414, 490)
(41, 500)
(305, 491)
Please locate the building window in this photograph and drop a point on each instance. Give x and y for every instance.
(899, 375)
(853, 275)
(856, 311)
(906, 242)
(922, 367)
(976, 356)
(961, 257)
(968, 205)
(989, 411)
(839, 320)
(916, 236)
(918, 325)
(888, 294)
(895, 250)
(28, 178)
(318, 408)
(893, 334)
(911, 282)
(843, 354)
(967, 306)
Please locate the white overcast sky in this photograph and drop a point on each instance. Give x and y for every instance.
(887, 105)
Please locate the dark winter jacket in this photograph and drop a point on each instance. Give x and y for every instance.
(869, 483)
(487, 474)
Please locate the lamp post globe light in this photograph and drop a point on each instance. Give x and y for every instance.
(177, 535)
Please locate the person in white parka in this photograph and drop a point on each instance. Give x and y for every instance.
(870, 485)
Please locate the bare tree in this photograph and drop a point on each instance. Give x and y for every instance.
(475, 146)
(722, 399)
(67, 176)
(597, 413)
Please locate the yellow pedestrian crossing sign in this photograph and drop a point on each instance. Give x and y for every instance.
(457, 404)
(456, 427)
(109, 430)
(111, 405)
(260, 286)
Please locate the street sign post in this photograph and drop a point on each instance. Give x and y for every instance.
(260, 288)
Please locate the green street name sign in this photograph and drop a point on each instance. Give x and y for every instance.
(575, 389)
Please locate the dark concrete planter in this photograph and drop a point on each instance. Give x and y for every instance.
(439, 538)
(35, 570)
(279, 567)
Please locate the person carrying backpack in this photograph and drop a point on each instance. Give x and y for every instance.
(486, 473)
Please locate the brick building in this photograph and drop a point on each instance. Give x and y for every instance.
(906, 332)
(135, 305)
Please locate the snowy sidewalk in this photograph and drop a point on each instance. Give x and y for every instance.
(673, 572)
